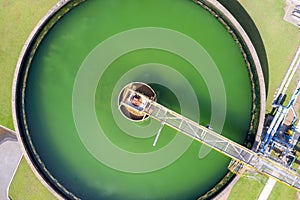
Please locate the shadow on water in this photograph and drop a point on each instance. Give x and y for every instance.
(248, 25)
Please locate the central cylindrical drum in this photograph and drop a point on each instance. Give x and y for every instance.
(135, 101)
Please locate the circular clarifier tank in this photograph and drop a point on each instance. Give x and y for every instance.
(68, 82)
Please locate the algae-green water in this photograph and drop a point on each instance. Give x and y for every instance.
(49, 100)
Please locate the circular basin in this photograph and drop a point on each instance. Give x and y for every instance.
(66, 99)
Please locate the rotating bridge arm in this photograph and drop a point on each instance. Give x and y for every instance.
(216, 141)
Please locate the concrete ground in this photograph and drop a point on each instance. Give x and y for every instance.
(10, 156)
(290, 7)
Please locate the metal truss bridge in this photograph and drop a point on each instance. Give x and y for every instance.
(242, 158)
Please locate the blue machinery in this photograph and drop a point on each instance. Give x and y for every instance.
(280, 134)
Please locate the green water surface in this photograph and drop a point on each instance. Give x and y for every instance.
(48, 99)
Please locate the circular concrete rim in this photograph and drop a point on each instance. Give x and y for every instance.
(218, 6)
(23, 52)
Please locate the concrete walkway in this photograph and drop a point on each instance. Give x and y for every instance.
(10, 156)
(264, 195)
